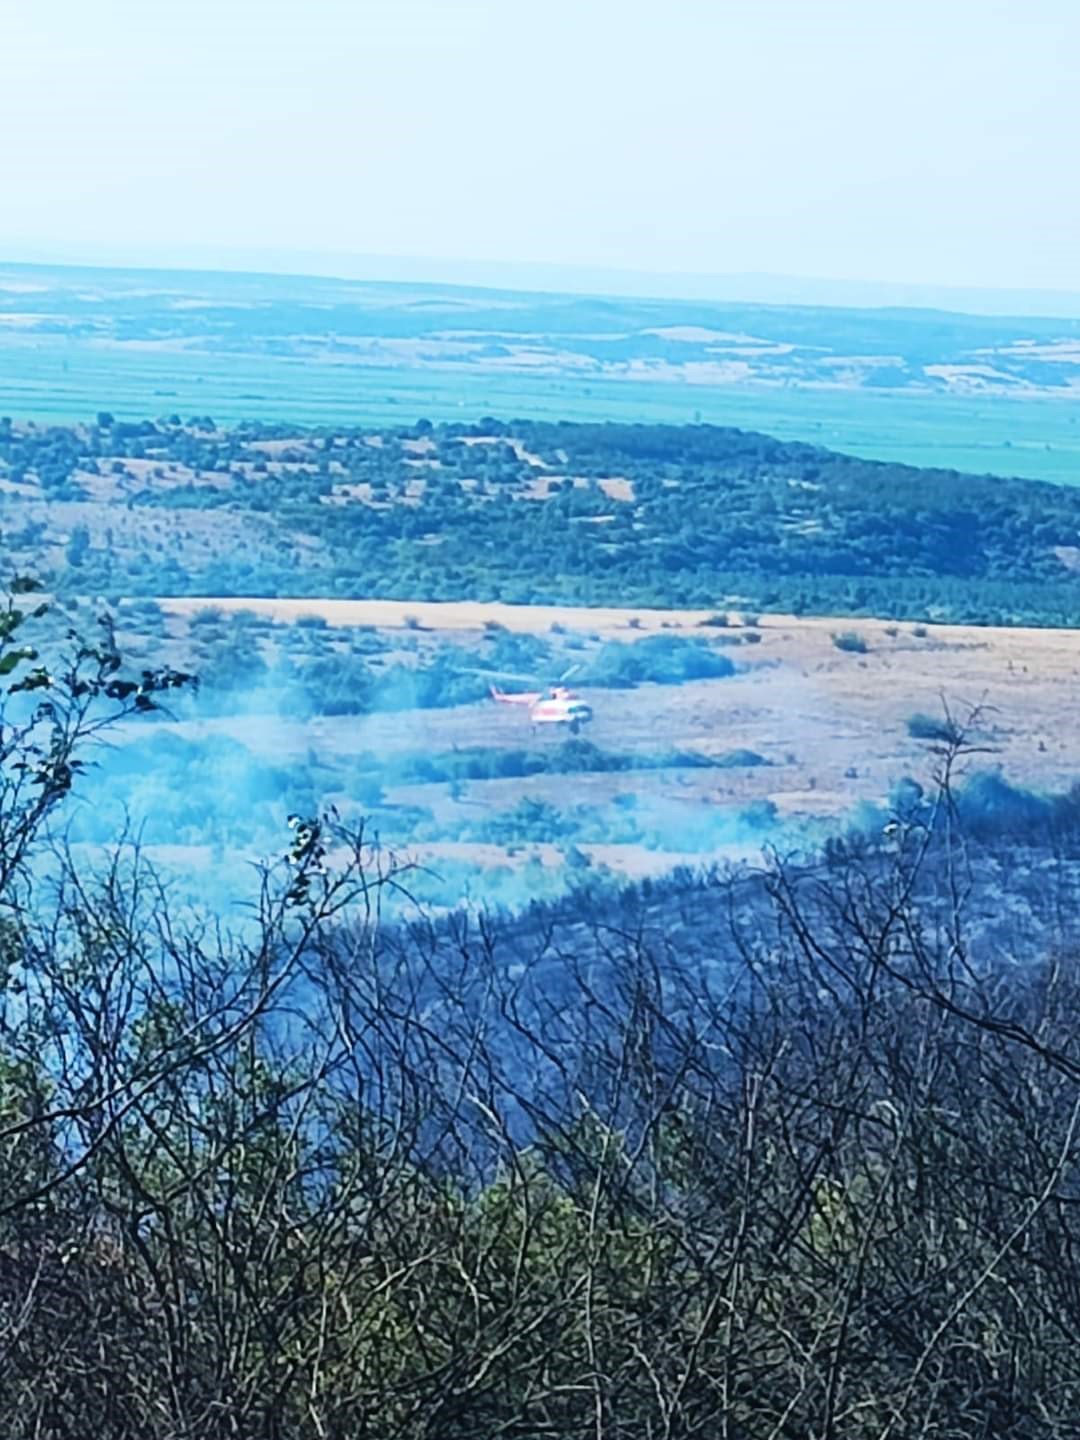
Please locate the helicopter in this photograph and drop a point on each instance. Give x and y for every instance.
(555, 705)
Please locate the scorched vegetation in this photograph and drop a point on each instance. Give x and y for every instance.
(782, 1153)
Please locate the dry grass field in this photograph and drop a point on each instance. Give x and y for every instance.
(831, 723)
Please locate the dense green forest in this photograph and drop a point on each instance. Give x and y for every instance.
(531, 512)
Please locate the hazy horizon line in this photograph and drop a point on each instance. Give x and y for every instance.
(746, 287)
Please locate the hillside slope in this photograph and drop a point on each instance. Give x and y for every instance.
(531, 512)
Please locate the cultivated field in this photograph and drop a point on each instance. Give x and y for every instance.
(981, 394)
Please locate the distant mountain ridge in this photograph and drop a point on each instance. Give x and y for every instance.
(756, 288)
(423, 325)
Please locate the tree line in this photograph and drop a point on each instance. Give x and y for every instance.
(545, 512)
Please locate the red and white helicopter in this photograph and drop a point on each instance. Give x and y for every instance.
(554, 706)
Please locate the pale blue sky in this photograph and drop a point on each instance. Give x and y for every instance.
(924, 143)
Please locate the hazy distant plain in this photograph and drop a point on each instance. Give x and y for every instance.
(983, 394)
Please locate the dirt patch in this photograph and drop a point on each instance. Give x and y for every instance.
(278, 448)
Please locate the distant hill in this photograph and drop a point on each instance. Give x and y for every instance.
(647, 515)
(601, 336)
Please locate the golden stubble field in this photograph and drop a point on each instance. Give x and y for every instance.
(833, 724)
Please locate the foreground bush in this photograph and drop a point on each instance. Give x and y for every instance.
(780, 1154)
